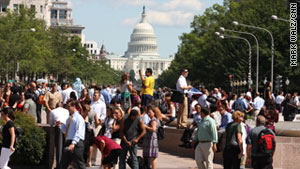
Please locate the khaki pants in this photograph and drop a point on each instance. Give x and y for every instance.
(256, 112)
(204, 155)
(182, 113)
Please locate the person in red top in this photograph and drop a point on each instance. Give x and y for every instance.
(110, 151)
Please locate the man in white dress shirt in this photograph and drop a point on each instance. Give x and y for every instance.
(279, 99)
(183, 88)
(258, 103)
(67, 89)
(202, 99)
(99, 107)
(59, 114)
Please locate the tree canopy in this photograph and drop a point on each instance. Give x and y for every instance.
(211, 60)
(47, 51)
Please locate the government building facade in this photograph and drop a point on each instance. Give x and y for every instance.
(142, 52)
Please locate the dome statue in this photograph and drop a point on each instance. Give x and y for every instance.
(142, 40)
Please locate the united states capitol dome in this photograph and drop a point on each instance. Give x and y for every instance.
(142, 40)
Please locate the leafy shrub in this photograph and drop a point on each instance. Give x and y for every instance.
(31, 146)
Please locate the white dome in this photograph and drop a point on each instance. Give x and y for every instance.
(142, 40)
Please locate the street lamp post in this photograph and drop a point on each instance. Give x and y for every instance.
(250, 53)
(272, 48)
(257, 52)
(277, 18)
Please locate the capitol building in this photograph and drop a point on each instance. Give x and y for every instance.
(142, 52)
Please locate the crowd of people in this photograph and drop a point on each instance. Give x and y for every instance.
(117, 119)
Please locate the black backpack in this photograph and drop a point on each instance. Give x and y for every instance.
(266, 142)
(19, 133)
(160, 132)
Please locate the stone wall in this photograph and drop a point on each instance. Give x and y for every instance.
(287, 154)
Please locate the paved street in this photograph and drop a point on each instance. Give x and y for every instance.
(165, 160)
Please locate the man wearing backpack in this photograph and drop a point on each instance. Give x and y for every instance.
(240, 104)
(260, 145)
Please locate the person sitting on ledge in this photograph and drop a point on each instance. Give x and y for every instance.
(187, 134)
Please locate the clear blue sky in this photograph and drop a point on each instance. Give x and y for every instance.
(112, 21)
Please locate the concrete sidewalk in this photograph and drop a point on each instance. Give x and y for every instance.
(169, 161)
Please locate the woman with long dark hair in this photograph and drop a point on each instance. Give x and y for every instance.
(9, 137)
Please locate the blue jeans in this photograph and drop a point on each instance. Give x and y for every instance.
(133, 153)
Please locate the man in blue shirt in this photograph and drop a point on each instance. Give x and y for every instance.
(74, 131)
(226, 119)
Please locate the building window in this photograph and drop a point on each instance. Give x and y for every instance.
(16, 7)
(95, 51)
(54, 14)
(62, 14)
(21, 6)
(91, 45)
(41, 8)
(88, 45)
(32, 7)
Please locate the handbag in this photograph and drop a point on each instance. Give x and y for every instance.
(233, 140)
(177, 97)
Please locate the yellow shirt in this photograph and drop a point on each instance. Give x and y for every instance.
(149, 86)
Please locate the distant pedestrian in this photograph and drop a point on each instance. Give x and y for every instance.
(289, 108)
(147, 87)
(30, 106)
(183, 88)
(51, 99)
(279, 99)
(207, 137)
(255, 154)
(125, 89)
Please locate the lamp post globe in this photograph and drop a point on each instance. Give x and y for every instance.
(274, 17)
(235, 23)
(222, 29)
(217, 33)
(287, 82)
(244, 82)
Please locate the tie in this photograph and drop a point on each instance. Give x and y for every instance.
(66, 134)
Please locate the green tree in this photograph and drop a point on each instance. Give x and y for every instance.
(47, 51)
(211, 59)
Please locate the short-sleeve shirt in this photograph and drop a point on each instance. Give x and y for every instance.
(252, 140)
(181, 82)
(6, 134)
(30, 105)
(231, 129)
(53, 99)
(109, 145)
(149, 84)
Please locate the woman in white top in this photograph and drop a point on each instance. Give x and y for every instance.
(108, 122)
(170, 116)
